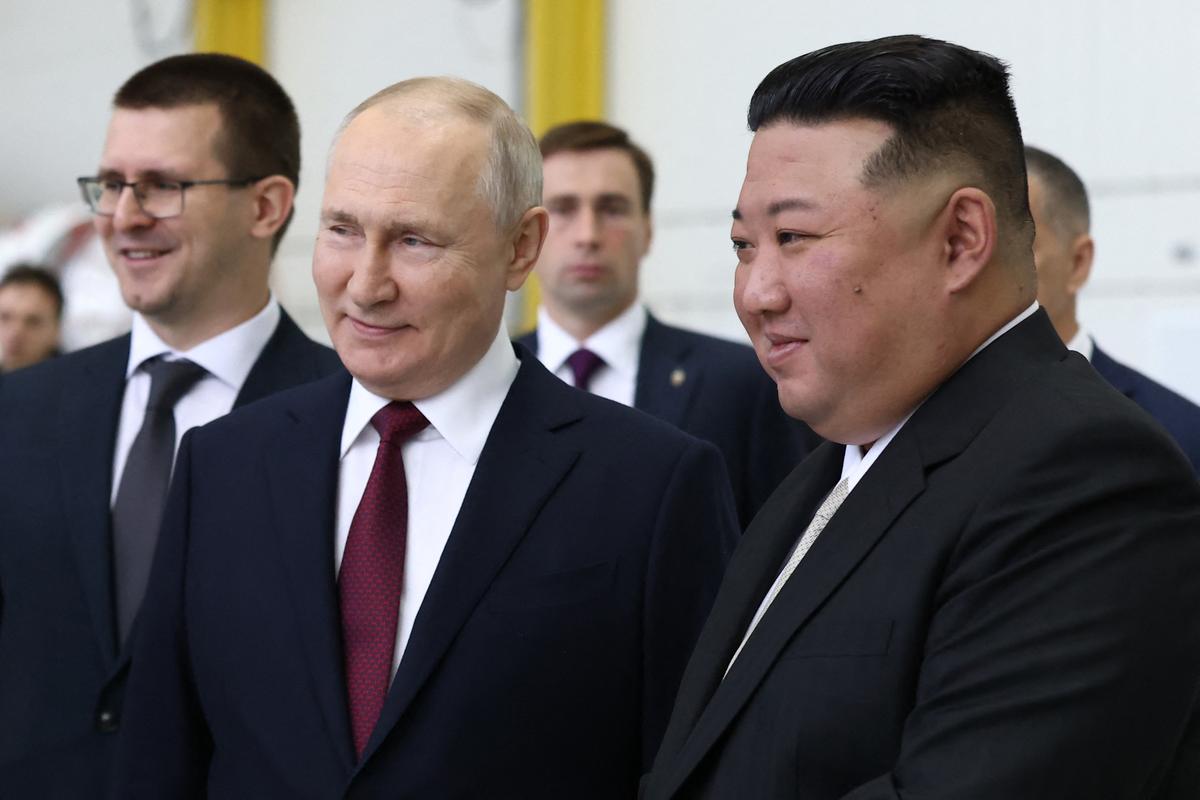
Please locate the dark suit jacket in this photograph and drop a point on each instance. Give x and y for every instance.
(1180, 416)
(725, 398)
(546, 653)
(1006, 606)
(61, 673)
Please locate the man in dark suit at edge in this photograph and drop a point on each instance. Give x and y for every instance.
(455, 575)
(593, 333)
(1063, 250)
(984, 586)
(195, 188)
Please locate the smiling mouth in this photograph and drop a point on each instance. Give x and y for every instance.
(780, 348)
(374, 331)
(141, 254)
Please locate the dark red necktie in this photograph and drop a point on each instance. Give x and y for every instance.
(372, 572)
(583, 364)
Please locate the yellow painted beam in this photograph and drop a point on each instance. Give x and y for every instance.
(236, 27)
(564, 79)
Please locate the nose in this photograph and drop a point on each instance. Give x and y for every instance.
(128, 213)
(371, 282)
(758, 287)
(587, 228)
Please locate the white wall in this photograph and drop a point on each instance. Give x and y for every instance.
(1108, 86)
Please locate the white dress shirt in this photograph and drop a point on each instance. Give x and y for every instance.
(619, 343)
(228, 358)
(439, 463)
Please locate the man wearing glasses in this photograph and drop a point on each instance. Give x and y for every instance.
(193, 193)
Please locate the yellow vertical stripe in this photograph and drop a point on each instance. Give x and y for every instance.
(564, 78)
(236, 27)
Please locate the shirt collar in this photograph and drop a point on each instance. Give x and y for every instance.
(1082, 343)
(618, 343)
(462, 414)
(228, 356)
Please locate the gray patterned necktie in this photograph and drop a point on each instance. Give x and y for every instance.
(137, 512)
(820, 519)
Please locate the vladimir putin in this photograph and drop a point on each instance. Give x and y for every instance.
(446, 574)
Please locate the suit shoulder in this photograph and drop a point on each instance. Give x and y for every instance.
(1179, 415)
(293, 342)
(51, 375)
(1064, 405)
(737, 359)
(253, 420)
(601, 420)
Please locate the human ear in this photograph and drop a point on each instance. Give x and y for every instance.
(1083, 251)
(273, 198)
(525, 246)
(969, 234)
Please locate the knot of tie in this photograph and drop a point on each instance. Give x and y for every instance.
(170, 380)
(397, 422)
(583, 363)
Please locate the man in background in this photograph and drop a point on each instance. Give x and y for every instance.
(31, 305)
(592, 331)
(1064, 250)
(457, 577)
(984, 585)
(194, 190)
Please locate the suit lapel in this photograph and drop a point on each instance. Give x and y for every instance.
(302, 479)
(666, 380)
(863, 519)
(521, 465)
(89, 411)
(940, 429)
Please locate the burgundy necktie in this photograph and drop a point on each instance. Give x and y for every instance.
(372, 572)
(583, 363)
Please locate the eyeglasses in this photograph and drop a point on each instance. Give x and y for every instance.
(156, 198)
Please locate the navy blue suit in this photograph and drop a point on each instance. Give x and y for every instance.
(547, 650)
(1180, 416)
(1004, 607)
(62, 673)
(725, 398)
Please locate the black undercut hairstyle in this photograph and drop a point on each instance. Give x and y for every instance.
(260, 132)
(28, 274)
(1063, 192)
(947, 105)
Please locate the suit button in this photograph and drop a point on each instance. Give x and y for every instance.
(107, 721)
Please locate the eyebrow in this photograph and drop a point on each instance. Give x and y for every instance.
(391, 230)
(336, 215)
(779, 206)
(148, 175)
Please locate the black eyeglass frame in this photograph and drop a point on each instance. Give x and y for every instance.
(85, 180)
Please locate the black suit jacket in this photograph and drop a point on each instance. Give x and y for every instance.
(717, 391)
(1006, 606)
(547, 650)
(1180, 416)
(61, 673)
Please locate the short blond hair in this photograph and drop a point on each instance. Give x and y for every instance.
(511, 179)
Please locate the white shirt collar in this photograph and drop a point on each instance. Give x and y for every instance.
(462, 414)
(618, 343)
(1082, 343)
(228, 356)
(855, 462)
